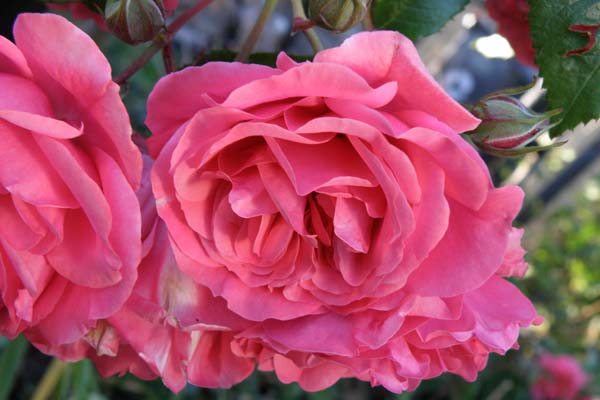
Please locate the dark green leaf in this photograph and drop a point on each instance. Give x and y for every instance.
(84, 379)
(11, 359)
(415, 18)
(573, 82)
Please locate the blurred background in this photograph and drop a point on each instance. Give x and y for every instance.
(561, 215)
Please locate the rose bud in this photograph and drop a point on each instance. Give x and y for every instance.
(507, 126)
(134, 21)
(337, 15)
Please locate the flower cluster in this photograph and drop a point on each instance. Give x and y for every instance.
(321, 220)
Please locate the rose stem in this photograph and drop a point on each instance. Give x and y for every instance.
(311, 34)
(257, 29)
(367, 21)
(161, 41)
(168, 60)
(49, 380)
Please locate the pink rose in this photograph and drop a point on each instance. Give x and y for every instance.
(514, 264)
(562, 378)
(513, 23)
(69, 220)
(335, 208)
(145, 337)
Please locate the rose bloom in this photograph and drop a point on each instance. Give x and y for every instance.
(69, 220)
(562, 378)
(334, 206)
(144, 337)
(513, 23)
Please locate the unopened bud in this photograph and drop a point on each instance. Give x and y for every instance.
(337, 15)
(507, 126)
(134, 21)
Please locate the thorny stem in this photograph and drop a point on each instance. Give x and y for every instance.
(254, 34)
(161, 41)
(168, 59)
(49, 380)
(311, 34)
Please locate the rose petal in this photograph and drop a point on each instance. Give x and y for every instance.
(177, 97)
(393, 57)
(12, 60)
(39, 124)
(26, 172)
(328, 80)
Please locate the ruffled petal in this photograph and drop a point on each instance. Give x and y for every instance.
(393, 57)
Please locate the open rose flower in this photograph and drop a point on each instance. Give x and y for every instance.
(334, 206)
(513, 23)
(562, 378)
(145, 337)
(69, 219)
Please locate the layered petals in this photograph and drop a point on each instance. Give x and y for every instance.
(335, 217)
(169, 327)
(70, 241)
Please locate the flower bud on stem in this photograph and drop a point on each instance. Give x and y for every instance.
(160, 41)
(507, 126)
(134, 21)
(301, 23)
(337, 15)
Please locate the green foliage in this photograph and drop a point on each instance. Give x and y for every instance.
(415, 18)
(564, 281)
(573, 82)
(11, 361)
(79, 381)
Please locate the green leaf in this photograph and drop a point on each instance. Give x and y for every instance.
(573, 82)
(84, 379)
(415, 18)
(11, 360)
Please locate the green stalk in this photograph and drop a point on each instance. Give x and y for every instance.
(51, 377)
(311, 34)
(254, 34)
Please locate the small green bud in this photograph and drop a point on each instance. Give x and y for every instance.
(134, 21)
(507, 126)
(337, 15)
